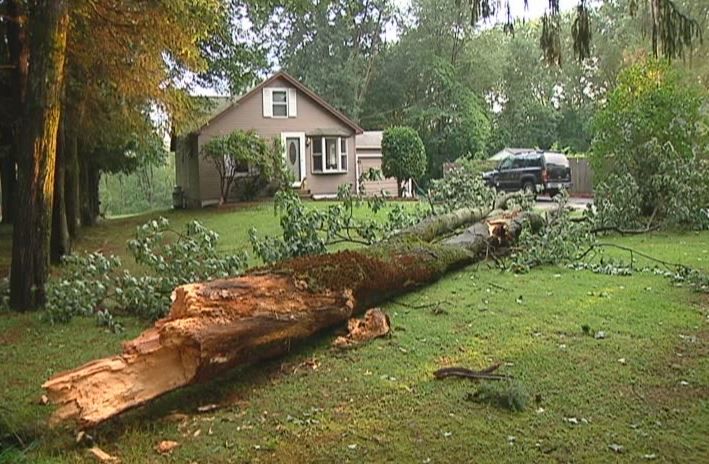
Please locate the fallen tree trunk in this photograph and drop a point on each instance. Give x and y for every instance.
(217, 325)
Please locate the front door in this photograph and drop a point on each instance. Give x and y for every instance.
(294, 145)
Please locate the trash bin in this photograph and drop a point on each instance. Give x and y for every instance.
(178, 197)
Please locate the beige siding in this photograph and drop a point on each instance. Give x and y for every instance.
(375, 187)
(187, 169)
(248, 114)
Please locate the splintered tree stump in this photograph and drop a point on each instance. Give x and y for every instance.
(215, 326)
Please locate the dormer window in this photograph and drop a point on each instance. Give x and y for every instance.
(280, 103)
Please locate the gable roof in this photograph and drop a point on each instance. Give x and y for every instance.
(370, 139)
(201, 110)
(298, 85)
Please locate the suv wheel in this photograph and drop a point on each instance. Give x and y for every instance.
(529, 189)
(553, 192)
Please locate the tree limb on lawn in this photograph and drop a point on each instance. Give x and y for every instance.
(215, 326)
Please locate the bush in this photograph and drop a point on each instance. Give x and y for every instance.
(678, 192)
(403, 155)
(650, 131)
(245, 150)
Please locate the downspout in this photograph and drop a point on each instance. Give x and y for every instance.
(357, 192)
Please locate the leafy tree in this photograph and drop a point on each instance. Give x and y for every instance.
(422, 82)
(403, 155)
(239, 152)
(88, 52)
(652, 128)
(343, 37)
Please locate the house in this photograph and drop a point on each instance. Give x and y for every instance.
(320, 142)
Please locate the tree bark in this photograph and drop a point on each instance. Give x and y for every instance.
(30, 247)
(60, 244)
(18, 49)
(215, 326)
(8, 183)
(71, 185)
(89, 191)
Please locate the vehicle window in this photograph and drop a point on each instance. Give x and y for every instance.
(519, 162)
(556, 159)
(505, 164)
(534, 161)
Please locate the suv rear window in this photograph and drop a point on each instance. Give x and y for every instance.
(556, 158)
(532, 160)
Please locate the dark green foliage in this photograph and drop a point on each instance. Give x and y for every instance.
(245, 152)
(510, 395)
(403, 155)
(94, 284)
(343, 37)
(651, 130)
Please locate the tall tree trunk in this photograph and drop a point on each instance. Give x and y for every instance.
(71, 185)
(94, 188)
(49, 23)
(18, 49)
(8, 183)
(60, 243)
(89, 192)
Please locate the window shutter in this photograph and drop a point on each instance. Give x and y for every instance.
(292, 104)
(267, 104)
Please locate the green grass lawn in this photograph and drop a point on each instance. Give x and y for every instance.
(644, 387)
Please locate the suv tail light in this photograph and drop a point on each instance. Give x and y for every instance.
(545, 175)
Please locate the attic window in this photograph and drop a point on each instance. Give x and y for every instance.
(280, 103)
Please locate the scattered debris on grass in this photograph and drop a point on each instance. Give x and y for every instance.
(575, 421)
(485, 374)
(375, 324)
(166, 446)
(207, 408)
(102, 456)
(616, 448)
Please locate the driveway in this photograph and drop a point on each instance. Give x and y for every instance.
(546, 203)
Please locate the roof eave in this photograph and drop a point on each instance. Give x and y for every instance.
(300, 86)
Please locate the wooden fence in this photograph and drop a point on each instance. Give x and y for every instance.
(581, 176)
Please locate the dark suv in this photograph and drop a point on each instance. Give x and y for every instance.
(535, 172)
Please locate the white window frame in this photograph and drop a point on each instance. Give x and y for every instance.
(228, 164)
(274, 103)
(323, 154)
